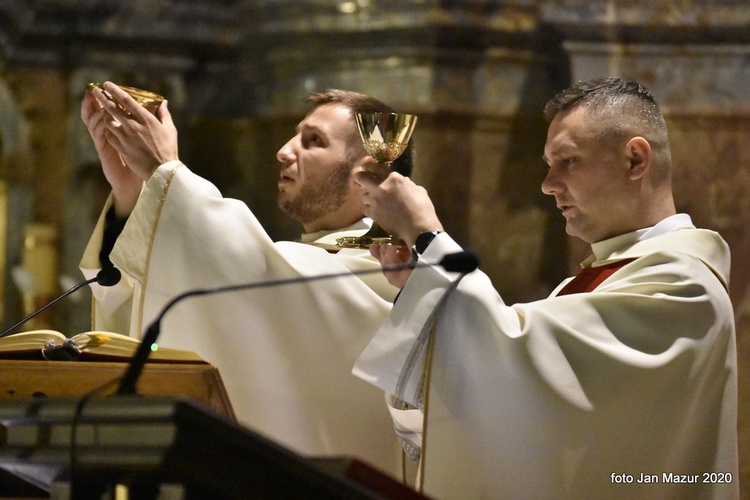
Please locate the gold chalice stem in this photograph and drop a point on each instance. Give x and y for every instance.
(384, 136)
(376, 234)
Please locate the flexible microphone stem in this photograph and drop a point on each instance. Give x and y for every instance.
(106, 277)
(461, 262)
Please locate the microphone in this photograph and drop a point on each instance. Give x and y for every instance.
(459, 262)
(108, 276)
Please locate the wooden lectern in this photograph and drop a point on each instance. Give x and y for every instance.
(55, 379)
(62, 445)
(34, 378)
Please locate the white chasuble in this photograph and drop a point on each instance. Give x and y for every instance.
(628, 391)
(285, 353)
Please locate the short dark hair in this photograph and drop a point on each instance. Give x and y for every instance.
(621, 108)
(599, 92)
(361, 103)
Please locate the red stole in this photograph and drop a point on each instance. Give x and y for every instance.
(591, 277)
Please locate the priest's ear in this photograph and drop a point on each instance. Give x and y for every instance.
(638, 151)
(367, 162)
(377, 171)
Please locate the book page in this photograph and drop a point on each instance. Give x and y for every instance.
(97, 345)
(115, 344)
(35, 339)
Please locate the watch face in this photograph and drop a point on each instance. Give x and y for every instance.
(424, 240)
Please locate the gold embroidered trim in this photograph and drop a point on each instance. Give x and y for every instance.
(426, 399)
(93, 314)
(162, 199)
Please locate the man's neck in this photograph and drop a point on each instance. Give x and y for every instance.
(331, 222)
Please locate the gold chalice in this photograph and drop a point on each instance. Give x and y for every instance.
(147, 99)
(385, 137)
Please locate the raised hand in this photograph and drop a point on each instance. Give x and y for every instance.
(398, 205)
(143, 141)
(390, 255)
(126, 184)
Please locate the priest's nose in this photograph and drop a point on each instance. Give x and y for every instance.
(286, 154)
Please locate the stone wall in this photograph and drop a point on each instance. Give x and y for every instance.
(477, 72)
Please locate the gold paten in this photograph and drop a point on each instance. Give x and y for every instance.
(148, 100)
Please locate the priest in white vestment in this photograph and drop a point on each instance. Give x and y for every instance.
(621, 384)
(284, 353)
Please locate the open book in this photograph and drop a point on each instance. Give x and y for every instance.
(86, 346)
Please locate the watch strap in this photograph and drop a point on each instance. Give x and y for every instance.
(423, 241)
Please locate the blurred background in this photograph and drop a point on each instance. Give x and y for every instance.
(477, 72)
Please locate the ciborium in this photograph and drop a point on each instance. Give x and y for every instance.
(148, 100)
(385, 137)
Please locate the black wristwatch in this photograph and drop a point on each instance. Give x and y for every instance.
(422, 242)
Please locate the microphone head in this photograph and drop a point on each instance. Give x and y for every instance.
(108, 276)
(460, 262)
